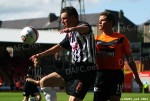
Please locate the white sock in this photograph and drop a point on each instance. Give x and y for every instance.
(49, 93)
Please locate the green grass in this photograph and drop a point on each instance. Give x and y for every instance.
(135, 97)
(17, 96)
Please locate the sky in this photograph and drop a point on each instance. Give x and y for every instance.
(137, 11)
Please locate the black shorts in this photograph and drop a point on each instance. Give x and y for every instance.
(79, 78)
(30, 89)
(108, 83)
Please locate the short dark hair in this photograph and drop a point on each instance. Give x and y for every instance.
(110, 16)
(71, 11)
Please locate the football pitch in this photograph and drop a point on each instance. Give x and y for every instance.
(17, 96)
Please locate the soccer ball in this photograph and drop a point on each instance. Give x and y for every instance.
(29, 35)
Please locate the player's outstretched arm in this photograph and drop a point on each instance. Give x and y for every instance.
(32, 80)
(51, 50)
(134, 69)
(81, 29)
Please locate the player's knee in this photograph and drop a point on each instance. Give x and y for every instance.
(42, 83)
(39, 98)
(72, 98)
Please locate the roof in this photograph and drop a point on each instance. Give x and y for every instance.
(125, 20)
(53, 25)
(45, 23)
(38, 23)
(147, 22)
(12, 35)
(92, 19)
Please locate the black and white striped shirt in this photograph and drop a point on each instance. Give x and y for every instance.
(82, 46)
(35, 72)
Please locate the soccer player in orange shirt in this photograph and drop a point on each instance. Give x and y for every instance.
(111, 48)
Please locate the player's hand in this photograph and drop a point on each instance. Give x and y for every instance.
(66, 30)
(139, 82)
(36, 56)
(33, 81)
(29, 79)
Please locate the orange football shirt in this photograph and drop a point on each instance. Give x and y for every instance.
(111, 50)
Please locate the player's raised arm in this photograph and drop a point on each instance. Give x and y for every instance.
(84, 28)
(51, 50)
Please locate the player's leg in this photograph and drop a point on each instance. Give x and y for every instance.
(71, 90)
(38, 96)
(49, 93)
(86, 78)
(79, 89)
(114, 98)
(73, 98)
(53, 95)
(101, 87)
(26, 91)
(108, 85)
(116, 91)
(117, 85)
(25, 98)
(35, 93)
(51, 80)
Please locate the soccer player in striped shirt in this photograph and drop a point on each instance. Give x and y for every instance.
(80, 42)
